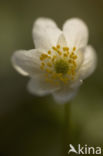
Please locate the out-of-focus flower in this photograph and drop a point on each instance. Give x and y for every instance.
(60, 61)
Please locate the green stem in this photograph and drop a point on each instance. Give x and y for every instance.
(66, 129)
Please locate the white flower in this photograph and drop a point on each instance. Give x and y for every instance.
(60, 61)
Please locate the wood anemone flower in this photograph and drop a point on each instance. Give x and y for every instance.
(60, 61)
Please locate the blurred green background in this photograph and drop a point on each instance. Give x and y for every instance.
(33, 126)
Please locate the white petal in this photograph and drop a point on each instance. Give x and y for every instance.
(77, 83)
(62, 40)
(64, 95)
(80, 58)
(45, 33)
(89, 63)
(27, 62)
(38, 86)
(76, 33)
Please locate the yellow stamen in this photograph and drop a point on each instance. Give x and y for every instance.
(54, 48)
(65, 48)
(43, 57)
(73, 72)
(48, 70)
(43, 64)
(49, 52)
(74, 57)
(49, 64)
(65, 55)
(54, 57)
(59, 52)
(62, 66)
(74, 63)
(70, 61)
(74, 48)
(58, 46)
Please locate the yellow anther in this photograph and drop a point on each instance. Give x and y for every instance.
(70, 61)
(54, 48)
(53, 58)
(65, 48)
(65, 55)
(74, 57)
(74, 63)
(73, 72)
(49, 64)
(43, 64)
(43, 57)
(72, 53)
(58, 46)
(63, 79)
(59, 52)
(48, 70)
(49, 52)
(74, 48)
(68, 52)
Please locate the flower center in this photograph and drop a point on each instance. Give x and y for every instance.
(59, 64)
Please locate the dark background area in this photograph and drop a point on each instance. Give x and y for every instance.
(32, 126)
